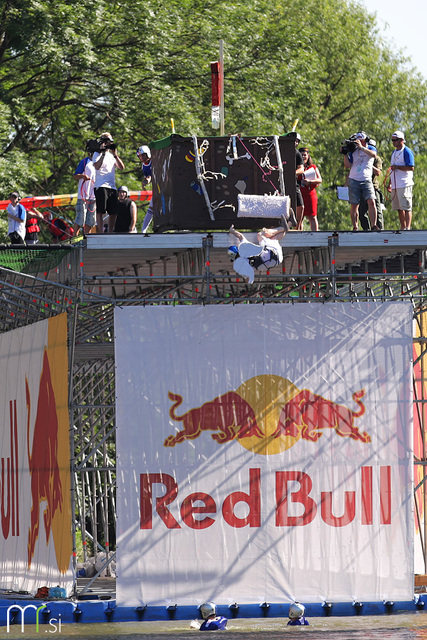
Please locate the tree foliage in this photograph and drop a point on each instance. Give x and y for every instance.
(71, 70)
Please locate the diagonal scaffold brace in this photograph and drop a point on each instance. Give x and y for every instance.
(198, 163)
(279, 166)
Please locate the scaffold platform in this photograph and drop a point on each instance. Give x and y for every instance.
(89, 277)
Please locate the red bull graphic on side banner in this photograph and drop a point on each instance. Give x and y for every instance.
(264, 453)
(36, 547)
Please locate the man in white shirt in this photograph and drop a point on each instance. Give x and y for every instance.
(17, 216)
(401, 179)
(106, 161)
(360, 162)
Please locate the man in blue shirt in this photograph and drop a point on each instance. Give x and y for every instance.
(144, 155)
(211, 622)
(296, 615)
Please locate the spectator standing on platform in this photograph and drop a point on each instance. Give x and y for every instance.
(126, 213)
(379, 198)
(86, 204)
(144, 155)
(17, 216)
(360, 162)
(401, 179)
(106, 161)
(309, 181)
(32, 227)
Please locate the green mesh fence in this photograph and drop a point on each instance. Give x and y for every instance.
(34, 260)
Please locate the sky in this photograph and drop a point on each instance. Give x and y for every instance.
(403, 25)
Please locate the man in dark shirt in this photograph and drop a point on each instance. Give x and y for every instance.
(126, 213)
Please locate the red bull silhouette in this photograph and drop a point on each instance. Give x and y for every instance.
(43, 459)
(307, 414)
(229, 416)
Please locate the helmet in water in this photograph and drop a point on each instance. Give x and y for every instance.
(207, 609)
(296, 611)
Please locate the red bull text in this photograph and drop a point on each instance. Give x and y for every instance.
(159, 496)
(10, 480)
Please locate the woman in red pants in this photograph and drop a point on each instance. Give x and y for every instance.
(310, 180)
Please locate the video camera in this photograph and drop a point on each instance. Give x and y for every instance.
(349, 145)
(100, 144)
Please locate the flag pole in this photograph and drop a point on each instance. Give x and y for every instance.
(221, 72)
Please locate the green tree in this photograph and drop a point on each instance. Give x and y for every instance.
(71, 70)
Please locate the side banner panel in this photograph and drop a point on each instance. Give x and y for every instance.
(35, 526)
(264, 453)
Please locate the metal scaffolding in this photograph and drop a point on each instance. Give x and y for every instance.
(88, 279)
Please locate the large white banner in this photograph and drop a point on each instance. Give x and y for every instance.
(264, 453)
(35, 498)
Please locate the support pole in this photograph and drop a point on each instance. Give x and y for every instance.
(221, 76)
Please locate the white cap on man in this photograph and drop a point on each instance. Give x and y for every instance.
(123, 188)
(398, 134)
(143, 149)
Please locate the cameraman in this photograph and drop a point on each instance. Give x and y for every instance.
(105, 162)
(360, 161)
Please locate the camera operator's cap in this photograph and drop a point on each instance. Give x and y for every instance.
(106, 134)
(123, 188)
(144, 149)
(361, 135)
(398, 134)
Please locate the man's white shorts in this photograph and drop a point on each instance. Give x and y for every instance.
(401, 199)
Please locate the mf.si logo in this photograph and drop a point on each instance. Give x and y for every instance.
(13, 613)
(268, 414)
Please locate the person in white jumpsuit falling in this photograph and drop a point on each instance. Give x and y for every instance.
(248, 257)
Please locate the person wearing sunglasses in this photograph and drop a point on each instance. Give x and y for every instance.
(402, 166)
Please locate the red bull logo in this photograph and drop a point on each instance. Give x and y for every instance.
(49, 450)
(46, 483)
(268, 414)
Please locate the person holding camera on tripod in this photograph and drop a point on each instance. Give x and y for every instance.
(106, 161)
(359, 158)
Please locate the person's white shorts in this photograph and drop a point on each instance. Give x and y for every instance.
(401, 199)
